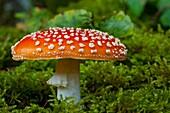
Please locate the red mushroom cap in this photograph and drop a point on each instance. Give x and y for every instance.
(76, 43)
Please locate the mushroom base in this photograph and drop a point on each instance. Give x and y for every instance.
(67, 79)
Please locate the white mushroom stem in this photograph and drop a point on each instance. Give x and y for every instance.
(67, 79)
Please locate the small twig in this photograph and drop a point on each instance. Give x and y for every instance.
(45, 103)
(159, 12)
(6, 41)
(92, 22)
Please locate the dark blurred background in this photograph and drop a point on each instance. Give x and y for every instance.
(151, 12)
(8, 8)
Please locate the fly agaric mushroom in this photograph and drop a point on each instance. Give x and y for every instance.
(69, 46)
